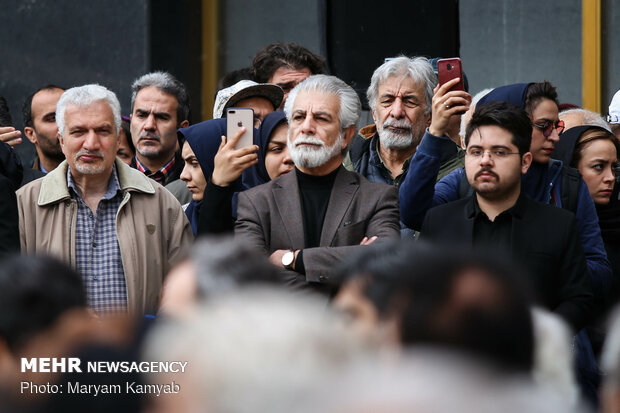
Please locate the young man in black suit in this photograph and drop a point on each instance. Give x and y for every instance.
(499, 219)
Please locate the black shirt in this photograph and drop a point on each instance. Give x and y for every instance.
(314, 194)
(495, 235)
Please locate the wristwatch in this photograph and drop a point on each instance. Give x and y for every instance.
(287, 260)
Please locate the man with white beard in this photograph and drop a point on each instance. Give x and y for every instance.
(308, 221)
(399, 96)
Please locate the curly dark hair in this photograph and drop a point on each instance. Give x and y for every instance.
(277, 55)
(507, 116)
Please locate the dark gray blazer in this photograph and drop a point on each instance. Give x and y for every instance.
(269, 217)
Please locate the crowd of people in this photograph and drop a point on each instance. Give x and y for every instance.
(459, 253)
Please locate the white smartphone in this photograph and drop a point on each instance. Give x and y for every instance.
(236, 118)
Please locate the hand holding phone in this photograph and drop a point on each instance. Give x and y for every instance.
(237, 118)
(448, 69)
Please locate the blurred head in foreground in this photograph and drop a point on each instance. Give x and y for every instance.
(214, 265)
(416, 294)
(256, 349)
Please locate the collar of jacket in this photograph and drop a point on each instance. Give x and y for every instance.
(54, 185)
(368, 132)
(555, 169)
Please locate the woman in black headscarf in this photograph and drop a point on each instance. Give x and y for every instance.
(594, 152)
(218, 210)
(202, 142)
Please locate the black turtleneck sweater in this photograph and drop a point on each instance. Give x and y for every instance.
(314, 193)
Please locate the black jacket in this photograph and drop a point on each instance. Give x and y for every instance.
(545, 242)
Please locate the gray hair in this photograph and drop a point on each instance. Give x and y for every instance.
(417, 68)
(223, 263)
(249, 341)
(472, 108)
(350, 105)
(610, 359)
(167, 83)
(85, 96)
(588, 117)
(553, 359)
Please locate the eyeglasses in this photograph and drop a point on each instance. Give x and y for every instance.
(548, 126)
(477, 153)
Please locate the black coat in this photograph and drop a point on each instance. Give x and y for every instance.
(545, 243)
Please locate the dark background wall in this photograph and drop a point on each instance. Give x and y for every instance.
(514, 41)
(247, 26)
(73, 42)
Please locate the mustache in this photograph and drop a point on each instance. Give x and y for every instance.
(398, 123)
(150, 135)
(305, 139)
(91, 153)
(486, 170)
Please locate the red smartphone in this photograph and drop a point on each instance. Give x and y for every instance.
(448, 69)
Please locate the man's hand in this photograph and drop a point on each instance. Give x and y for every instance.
(229, 163)
(276, 258)
(445, 104)
(368, 241)
(10, 135)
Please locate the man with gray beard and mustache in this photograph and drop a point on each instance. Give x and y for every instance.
(399, 97)
(308, 221)
(121, 230)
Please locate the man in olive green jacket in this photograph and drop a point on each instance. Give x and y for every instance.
(120, 229)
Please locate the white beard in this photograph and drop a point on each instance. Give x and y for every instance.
(310, 156)
(394, 140)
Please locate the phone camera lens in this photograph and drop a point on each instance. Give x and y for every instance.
(449, 66)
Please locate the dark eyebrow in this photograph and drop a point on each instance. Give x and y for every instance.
(322, 113)
(390, 95)
(492, 147)
(386, 95)
(77, 128)
(281, 141)
(286, 85)
(164, 115)
(105, 127)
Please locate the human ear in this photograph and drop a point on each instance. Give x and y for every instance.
(526, 161)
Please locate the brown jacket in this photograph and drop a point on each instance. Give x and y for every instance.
(152, 229)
